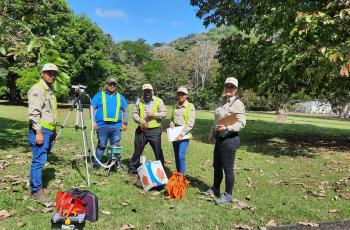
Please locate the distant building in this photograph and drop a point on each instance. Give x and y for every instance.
(316, 107)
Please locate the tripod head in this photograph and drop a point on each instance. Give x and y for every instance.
(78, 90)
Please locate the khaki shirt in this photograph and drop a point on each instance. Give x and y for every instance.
(40, 107)
(160, 114)
(178, 117)
(227, 107)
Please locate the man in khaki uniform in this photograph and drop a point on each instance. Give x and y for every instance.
(42, 109)
(148, 113)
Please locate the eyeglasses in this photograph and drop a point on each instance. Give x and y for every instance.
(230, 86)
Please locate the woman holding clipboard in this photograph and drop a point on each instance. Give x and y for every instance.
(229, 120)
(183, 115)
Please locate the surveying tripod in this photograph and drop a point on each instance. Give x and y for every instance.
(79, 117)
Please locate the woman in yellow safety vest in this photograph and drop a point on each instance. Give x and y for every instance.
(184, 116)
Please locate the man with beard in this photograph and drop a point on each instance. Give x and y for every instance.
(148, 113)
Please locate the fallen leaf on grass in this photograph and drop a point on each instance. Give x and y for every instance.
(250, 183)
(127, 226)
(47, 210)
(32, 209)
(205, 198)
(309, 224)
(168, 162)
(4, 214)
(125, 202)
(20, 223)
(333, 210)
(243, 226)
(276, 182)
(319, 194)
(47, 204)
(106, 212)
(271, 223)
(344, 197)
(241, 205)
(155, 193)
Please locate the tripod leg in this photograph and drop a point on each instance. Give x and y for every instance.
(77, 116)
(66, 119)
(84, 141)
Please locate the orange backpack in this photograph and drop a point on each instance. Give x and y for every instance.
(177, 186)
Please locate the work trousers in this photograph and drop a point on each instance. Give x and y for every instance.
(105, 133)
(224, 159)
(180, 149)
(142, 137)
(39, 157)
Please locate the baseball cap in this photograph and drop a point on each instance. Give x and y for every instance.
(111, 80)
(147, 86)
(183, 90)
(232, 80)
(49, 67)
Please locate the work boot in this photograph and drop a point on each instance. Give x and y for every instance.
(224, 199)
(212, 193)
(40, 196)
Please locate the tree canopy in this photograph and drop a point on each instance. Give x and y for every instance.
(283, 48)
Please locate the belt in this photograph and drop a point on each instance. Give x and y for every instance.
(228, 135)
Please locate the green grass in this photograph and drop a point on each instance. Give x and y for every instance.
(278, 165)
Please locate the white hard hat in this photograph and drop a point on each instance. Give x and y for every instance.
(232, 80)
(49, 67)
(182, 89)
(147, 86)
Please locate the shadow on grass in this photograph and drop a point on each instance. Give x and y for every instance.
(13, 134)
(276, 139)
(48, 175)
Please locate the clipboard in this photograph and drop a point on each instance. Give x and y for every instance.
(229, 120)
(173, 133)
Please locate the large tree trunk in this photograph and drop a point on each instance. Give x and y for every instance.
(281, 116)
(342, 111)
(280, 109)
(15, 96)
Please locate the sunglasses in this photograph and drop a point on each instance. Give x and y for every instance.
(230, 86)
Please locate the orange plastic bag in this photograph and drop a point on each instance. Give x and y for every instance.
(177, 186)
(68, 205)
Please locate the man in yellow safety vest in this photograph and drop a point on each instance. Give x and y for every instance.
(148, 113)
(111, 117)
(42, 112)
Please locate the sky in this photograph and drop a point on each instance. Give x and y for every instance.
(153, 20)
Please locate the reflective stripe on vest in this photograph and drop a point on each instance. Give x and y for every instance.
(152, 123)
(104, 108)
(187, 112)
(49, 126)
